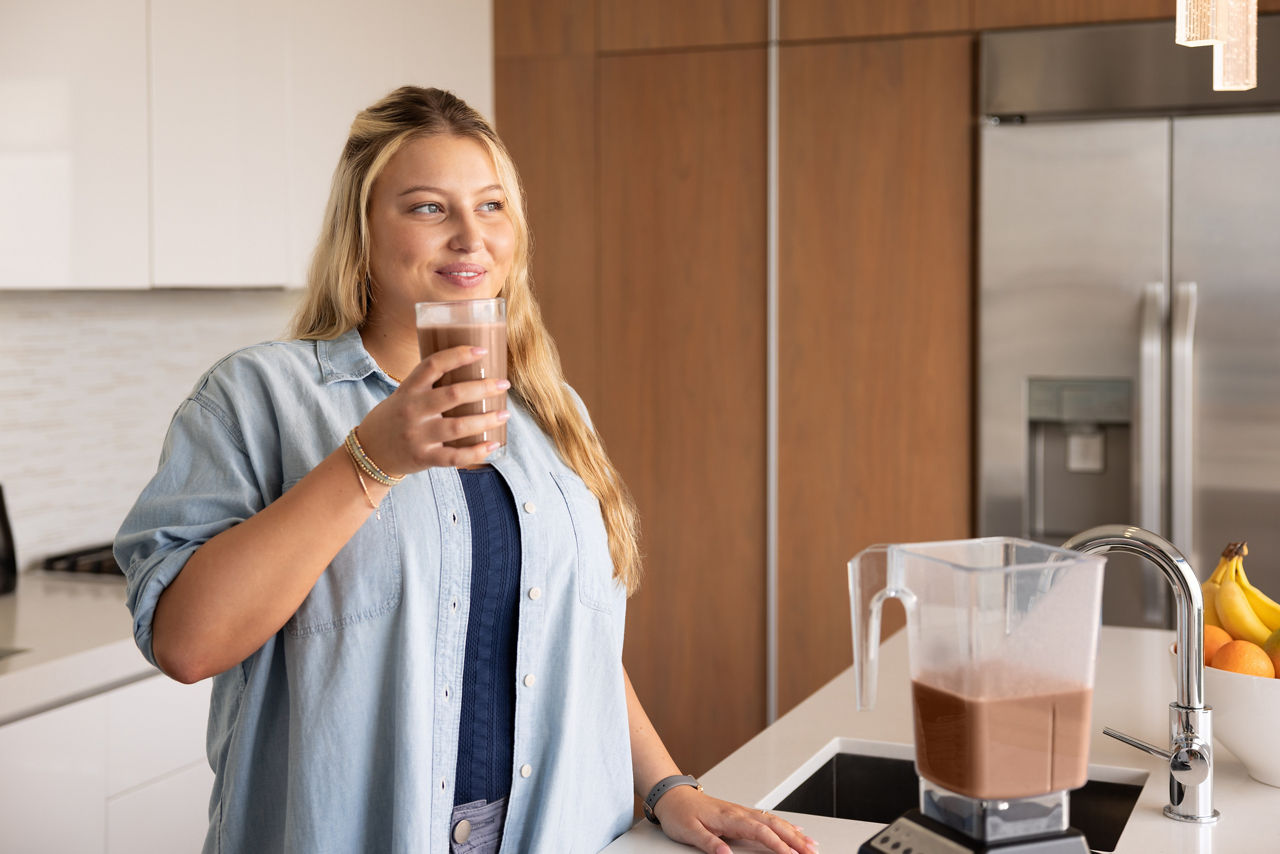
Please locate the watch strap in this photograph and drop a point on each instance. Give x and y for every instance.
(663, 786)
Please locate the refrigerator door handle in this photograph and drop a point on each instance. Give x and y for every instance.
(1182, 415)
(1150, 456)
(1151, 408)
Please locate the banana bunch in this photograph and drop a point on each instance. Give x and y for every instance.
(1231, 602)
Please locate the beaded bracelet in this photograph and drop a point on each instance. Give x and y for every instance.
(369, 466)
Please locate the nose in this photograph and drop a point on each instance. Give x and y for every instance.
(467, 236)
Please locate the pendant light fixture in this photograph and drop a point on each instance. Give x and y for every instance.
(1231, 27)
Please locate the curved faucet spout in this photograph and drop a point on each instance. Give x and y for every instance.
(1188, 602)
(1190, 753)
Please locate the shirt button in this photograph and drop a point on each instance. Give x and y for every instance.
(528, 680)
(535, 593)
(442, 785)
(526, 770)
(462, 831)
(530, 507)
(454, 517)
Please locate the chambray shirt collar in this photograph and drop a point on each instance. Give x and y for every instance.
(345, 358)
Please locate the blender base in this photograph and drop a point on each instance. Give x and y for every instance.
(917, 833)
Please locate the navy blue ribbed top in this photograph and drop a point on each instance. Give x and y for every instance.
(487, 736)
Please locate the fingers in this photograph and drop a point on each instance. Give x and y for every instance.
(431, 369)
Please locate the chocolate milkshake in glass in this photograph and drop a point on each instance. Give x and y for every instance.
(477, 323)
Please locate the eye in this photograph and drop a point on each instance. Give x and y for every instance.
(493, 207)
(428, 207)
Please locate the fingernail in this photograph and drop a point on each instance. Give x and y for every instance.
(504, 384)
(813, 848)
(479, 351)
(493, 446)
(504, 415)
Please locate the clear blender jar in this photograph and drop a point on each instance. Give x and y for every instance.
(1002, 638)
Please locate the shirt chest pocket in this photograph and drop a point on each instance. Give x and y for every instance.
(594, 567)
(361, 583)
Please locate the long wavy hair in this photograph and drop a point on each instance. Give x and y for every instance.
(338, 291)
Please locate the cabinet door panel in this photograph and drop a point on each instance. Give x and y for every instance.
(552, 138)
(53, 780)
(171, 814)
(825, 19)
(220, 107)
(156, 726)
(345, 56)
(73, 145)
(992, 14)
(663, 24)
(682, 383)
(874, 322)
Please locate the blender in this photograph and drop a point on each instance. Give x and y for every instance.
(1002, 637)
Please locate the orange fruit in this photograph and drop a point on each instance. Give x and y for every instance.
(1244, 656)
(1214, 638)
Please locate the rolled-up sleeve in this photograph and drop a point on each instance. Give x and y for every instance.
(205, 483)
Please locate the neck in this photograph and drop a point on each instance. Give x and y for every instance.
(394, 346)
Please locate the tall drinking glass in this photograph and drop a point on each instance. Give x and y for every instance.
(475, 323)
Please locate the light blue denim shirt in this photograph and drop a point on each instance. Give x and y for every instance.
(340, 734)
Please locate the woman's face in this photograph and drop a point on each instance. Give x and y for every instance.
(438, 226)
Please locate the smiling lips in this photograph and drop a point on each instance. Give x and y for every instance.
(462, 275)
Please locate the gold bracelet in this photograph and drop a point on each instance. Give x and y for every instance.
(360, 477)
(369, 466)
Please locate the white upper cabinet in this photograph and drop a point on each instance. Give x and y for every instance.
(181, 144)
(348, 55)
(220, 109)
(73, 144)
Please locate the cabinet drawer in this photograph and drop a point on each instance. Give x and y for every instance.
(154, 727)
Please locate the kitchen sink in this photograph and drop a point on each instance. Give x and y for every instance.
(877, 782)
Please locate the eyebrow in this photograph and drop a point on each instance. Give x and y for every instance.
(421, 188)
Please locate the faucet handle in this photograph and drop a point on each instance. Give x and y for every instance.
(1166, 755)
(1188, 764)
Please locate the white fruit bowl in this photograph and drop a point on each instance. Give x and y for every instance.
(1246, 714)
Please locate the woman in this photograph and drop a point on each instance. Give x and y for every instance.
(411, 650)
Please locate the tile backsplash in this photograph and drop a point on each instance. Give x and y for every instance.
(88, 383)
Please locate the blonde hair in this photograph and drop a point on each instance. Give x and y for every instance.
(338, 292)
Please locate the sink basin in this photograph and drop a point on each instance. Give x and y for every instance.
(877, 782)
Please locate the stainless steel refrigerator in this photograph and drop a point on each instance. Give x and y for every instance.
(1129, 300)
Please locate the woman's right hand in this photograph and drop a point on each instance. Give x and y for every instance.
(407, 432)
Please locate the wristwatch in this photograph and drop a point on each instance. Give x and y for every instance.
(663, 786)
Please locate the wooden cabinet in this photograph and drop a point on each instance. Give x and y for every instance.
(667, 24)
(825, 19)
(116, 772)
(681, 291)
(875, 315)
(546, 119)
(545, 28)
(73, 145)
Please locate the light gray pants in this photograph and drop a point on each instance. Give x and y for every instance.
(476, 827)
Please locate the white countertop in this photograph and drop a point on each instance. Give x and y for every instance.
(78, 637)
(1134, 685)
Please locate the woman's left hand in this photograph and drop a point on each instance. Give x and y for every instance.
(695, 818)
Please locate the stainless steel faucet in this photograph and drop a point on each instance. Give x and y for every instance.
(1190, 752)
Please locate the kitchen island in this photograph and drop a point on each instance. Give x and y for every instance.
(1134, 686)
